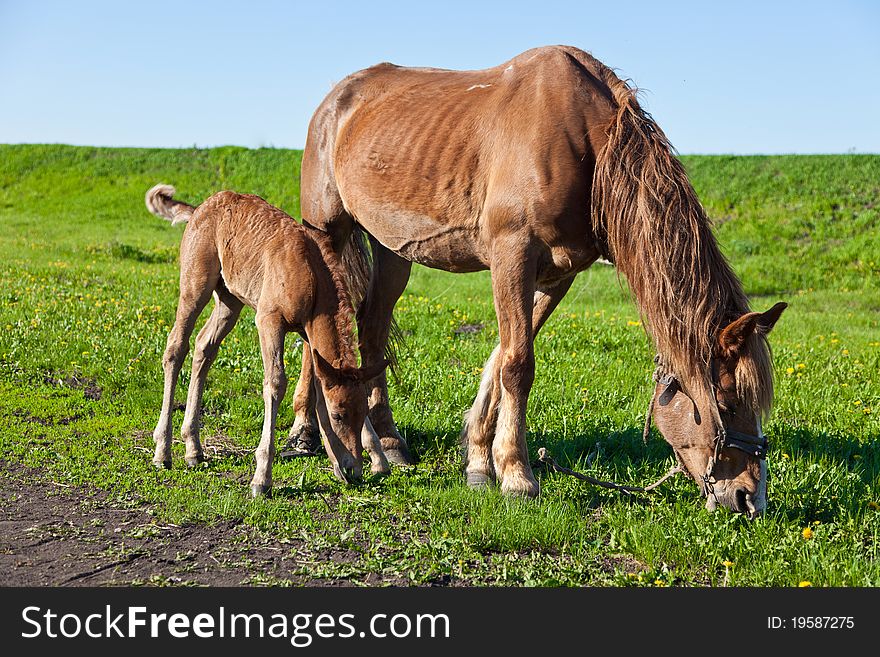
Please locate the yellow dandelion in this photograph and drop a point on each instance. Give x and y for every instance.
(845, 352)
(801, 366)
(857, 402)
(659, 582)
(807, 533)
(857, 456)
(727, 564)
(874, 506)
(804, 584)
(789, 370)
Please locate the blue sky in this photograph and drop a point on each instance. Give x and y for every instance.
(732, 77)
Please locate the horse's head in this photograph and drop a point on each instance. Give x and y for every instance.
(342, 408)
(716, 431)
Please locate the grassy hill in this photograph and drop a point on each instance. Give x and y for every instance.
(88, 285)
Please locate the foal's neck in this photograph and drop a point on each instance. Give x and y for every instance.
(330, 328)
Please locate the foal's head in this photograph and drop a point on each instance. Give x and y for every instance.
(342, 410)
(715, 430)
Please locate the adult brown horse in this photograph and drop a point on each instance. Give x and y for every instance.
(534, 169)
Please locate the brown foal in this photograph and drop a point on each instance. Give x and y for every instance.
(244, 251)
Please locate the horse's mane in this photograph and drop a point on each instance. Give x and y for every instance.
(659, 237)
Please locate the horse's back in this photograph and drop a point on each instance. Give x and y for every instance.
(423, 157)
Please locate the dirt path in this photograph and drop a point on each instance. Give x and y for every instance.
(56, 535)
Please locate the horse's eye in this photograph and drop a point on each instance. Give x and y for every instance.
(724, 407)
(339, 417)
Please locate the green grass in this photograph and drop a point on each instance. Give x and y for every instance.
(88, 285)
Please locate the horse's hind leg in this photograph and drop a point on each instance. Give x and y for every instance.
(387, 283)
(219, 324)
(199, 273)
(480, 422)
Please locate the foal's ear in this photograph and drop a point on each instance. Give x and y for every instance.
(734, 335)
(371, 371)
(323, 369)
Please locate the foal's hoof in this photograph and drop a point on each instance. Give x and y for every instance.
(303, 441)
(399, 457)
(195, 461)
(380, 469)
(478, 480)
(397, 452)
(258, 491)
(162, 465)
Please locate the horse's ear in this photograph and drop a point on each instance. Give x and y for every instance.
(372, 371)
(768, 319)
(734, 335)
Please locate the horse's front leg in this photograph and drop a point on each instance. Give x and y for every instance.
(514, 269)
(482, 418)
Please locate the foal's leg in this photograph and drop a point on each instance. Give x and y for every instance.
(218, 326)
(480, 421)
(387, 283)
(198, 278)
(514, 270)
(305, 435)
(371, 442)
(271, 329)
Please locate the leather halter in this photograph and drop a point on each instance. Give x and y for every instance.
(751, 444)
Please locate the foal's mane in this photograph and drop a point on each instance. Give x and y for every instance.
(660, 238)
(344, 312)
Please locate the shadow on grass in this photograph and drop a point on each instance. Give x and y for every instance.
(812, 475)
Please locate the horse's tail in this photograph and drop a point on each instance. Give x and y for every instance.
(160, 201)
(358, 265)
(647, 214)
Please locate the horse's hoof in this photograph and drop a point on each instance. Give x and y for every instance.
(259, 490)
(520, 487)
(195, 461)
(478, 480)
(381, 469)
(162, 465)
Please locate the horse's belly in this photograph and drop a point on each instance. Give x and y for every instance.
(428, 242)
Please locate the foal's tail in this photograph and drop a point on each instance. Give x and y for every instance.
(161, 203)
